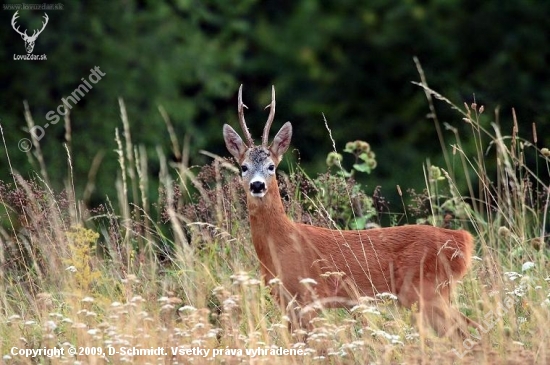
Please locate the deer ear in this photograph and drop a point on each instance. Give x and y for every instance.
(233, 142)
(282, 140)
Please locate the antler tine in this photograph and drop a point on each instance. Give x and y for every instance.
(13, 23)
(271, 107)
(46, 18)
(241, 107)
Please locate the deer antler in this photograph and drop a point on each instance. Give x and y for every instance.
(15, 16)
(25, 35)
(265, 135)
(240, 108)
(43, 25)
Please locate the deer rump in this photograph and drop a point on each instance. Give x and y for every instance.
(416, 263)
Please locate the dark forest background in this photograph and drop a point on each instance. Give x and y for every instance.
(350, 60)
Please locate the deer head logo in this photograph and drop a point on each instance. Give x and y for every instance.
(29, 40)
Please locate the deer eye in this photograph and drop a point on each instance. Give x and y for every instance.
(271, 167)
(244, 168)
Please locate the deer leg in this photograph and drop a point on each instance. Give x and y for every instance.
(444, 319)
(307, 315)
(470, 322)
(299, 316)
(437, 314)
(300, 324)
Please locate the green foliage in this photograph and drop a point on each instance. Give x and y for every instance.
(339, 195)
(351, 60)
(365, 159)
(440, 205)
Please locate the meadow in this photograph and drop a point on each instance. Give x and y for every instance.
(176, 280)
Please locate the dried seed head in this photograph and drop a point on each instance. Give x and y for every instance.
(334, 158)
(350, 146)
(537, 243)
(363, 146)
(504, 232)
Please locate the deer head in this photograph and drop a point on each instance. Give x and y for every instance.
(29, 40)
(257, 163)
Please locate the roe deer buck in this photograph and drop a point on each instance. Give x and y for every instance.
(417, 263)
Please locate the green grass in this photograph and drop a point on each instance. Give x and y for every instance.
(181, 273)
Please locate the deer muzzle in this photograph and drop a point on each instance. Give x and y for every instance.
(257, 188)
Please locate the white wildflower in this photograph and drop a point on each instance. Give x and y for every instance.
(50, 325)
(188, 308)
(137, 298)
(386, 296)
(527, 266)
(364, 309)
(166, 307)
(512, 275)
(308, 281)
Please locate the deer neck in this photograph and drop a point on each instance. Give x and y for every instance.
(269, 224)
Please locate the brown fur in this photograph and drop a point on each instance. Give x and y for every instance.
(417, 263)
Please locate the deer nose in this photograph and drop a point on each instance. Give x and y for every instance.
(257, 187)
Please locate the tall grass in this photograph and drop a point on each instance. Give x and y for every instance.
(181, 273)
